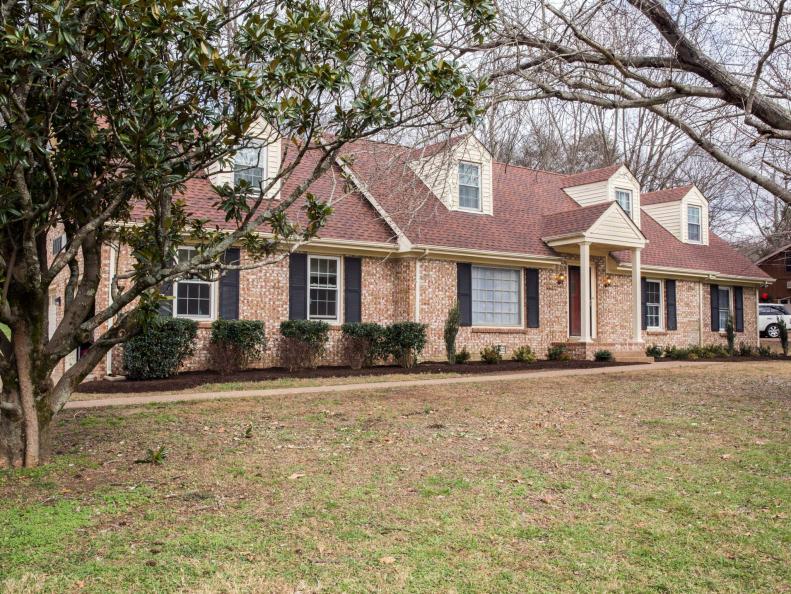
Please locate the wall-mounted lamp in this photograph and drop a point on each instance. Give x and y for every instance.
(560, 278)
(607, 280)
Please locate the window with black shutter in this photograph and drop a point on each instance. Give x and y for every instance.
(670, 304)
(352, 290)
(531, 297)
(464, 293)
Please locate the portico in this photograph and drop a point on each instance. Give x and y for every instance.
(596, 230)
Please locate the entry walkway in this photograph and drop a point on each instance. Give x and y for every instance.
(416, 383)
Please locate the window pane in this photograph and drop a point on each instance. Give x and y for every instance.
(248, 166)
(469, 186)
(323, 295)
(624, 198)
(495, 296)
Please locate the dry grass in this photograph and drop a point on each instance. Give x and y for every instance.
(671, 482)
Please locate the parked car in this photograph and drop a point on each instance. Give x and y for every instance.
(769, 316)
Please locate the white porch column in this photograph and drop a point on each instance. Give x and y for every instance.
(637, 303)
(585, 292)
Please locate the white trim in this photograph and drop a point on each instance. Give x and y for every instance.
(213, 294)
(479, 166)
(520, 298)
(661, 304)
(338, 288)
(731, 308)
(700, 223)
(629, 212)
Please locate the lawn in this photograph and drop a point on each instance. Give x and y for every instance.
(678, 481)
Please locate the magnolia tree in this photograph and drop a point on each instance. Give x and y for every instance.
(108, 108)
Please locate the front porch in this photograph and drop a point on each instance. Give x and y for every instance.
(603, 229)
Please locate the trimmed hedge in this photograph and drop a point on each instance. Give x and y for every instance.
(235, 343)
(304, 342)
(160, 349)
(364, 343)
(405, 341)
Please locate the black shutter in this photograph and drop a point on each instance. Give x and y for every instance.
(166, 305)
(670, 304)
(464, 293)
(298, 287)
(531, 296)
(715, 307)
(738, 309)
(643, 305)
(229, 287)
(352, 293)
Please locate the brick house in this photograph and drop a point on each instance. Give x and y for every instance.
(778, 266)
(416, 230)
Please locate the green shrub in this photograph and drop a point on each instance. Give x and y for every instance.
(746, 350)
(677, 353)
(558, 352)
(405, 341)
(364, 343)
(730, 335)
(153, 456)
(524, 354)
(603, 355)
(491, 355)
(235, 343)
(764, 351)
(783, 336)
(451, 331)
(654, 351)
(304, 342)
(463, 356)
(160, 349)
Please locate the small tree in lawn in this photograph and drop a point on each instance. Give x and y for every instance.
(108, 110)
(783, 336)
(451, 331)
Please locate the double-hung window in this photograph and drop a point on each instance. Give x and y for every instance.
(323, 288)
(496, 296)
(624, 198)
(469, 186)
(248, 166)
(693, 223)
(653, 304)
(194, 297)
(724, 294)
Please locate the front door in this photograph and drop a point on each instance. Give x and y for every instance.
(575, 327)
(575, 297)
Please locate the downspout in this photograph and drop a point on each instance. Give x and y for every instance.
(417, 284)
(700, 313)
(108, 363)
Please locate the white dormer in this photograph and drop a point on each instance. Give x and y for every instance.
(684, 212)
(460, 175)
(609, 184)
(255, 162)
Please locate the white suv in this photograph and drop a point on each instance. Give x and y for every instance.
(769, 316)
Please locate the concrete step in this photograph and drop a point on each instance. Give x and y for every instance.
(632, 357)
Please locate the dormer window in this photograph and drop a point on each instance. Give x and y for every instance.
(248, 166)
(693, 223)
(624, 198)
(469, 186)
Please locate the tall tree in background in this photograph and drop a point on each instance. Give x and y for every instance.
(113, 105)
(715, 70)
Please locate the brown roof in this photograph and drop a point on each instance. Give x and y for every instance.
(573, 221)
(528, 204)
(591, 177)
(667, 195)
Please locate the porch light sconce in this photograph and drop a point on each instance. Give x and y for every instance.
(607, 280)
(560, 278)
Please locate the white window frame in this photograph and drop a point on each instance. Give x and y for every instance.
(212, 294)
(628, 193)
(338, 289)
(699, 209)
(719, 307)
(519, 298)
(661, 316)
(242, 168)
(458, 179)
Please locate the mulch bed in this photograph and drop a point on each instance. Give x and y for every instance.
(193, 379)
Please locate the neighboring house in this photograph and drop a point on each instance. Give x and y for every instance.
(418, 230)
(778, 266)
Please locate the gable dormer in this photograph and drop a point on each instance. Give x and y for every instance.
(255, 162)
(683, 211)
(459, 173)
(608, 184)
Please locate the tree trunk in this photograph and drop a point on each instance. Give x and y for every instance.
(25, 413)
